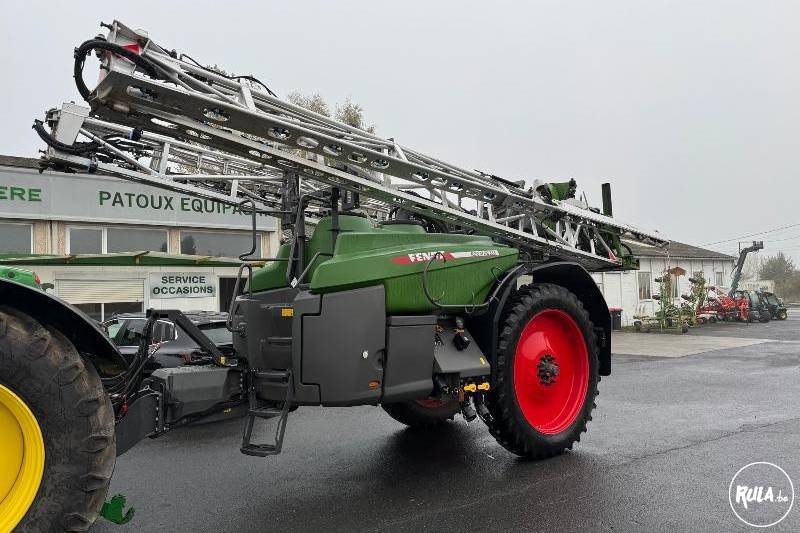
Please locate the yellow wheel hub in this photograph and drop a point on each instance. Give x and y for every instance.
(21, 458)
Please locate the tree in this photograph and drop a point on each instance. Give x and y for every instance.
(782, 271)
(352, 114)
(778, 268)
(349, 112)
(314, 103)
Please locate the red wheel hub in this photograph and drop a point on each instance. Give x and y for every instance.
(551, 371)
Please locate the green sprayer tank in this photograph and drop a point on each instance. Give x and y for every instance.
(463, 270)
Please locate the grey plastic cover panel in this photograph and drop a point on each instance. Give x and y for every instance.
(409, 361)
(304, 393)
(344, 346)
(469, 363)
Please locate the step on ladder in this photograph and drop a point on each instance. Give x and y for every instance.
(256, 411)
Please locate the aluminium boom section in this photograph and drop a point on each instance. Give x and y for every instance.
(232, 115)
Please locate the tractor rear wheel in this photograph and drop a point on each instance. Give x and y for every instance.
(546, 373)
(423, 413)
(56, 431)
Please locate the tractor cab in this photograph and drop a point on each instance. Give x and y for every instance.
(777, 308)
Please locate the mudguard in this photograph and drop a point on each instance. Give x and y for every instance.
(85, 333)
(485, 328)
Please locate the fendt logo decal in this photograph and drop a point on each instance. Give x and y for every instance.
(422, 257)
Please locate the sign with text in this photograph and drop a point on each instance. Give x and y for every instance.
(182, 285)
(25, 193)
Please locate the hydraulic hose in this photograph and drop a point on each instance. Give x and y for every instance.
(101, 44)
(77, 148)
(219, 73)
(81, 148)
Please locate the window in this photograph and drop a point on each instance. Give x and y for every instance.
(85, 241)
(218, 244)
(675, 286)
(645, 286)
(101, 312)
(115, 308)
(720, 279)
(135, 240)
(127, 331)
(15, 238)
(99, 240)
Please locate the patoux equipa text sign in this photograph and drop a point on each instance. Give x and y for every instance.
(182, 285)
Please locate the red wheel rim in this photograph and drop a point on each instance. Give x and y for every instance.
(551, 371)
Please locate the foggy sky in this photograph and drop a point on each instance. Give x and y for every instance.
(689, 109)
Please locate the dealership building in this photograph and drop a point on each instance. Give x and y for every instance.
(109, 245)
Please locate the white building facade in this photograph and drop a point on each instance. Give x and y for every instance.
(632, 291)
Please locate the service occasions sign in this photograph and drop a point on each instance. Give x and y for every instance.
(182, 285)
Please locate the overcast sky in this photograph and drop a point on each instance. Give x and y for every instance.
(689, 109)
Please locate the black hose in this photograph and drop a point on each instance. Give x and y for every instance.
(256, 80)
(101, 44)
(81, 148)
(77, 148)
(218, 73)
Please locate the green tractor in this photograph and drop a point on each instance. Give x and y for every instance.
(20, 275)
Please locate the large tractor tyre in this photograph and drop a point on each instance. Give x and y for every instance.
(57, 446)
(546, 373)
(424, 414)
(765, 317)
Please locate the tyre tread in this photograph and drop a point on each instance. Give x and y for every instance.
(506, 424)
(76, 416)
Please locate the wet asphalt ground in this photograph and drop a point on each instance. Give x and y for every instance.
(667, 437)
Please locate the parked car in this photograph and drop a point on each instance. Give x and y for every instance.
(776, 306)
(174, 347)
